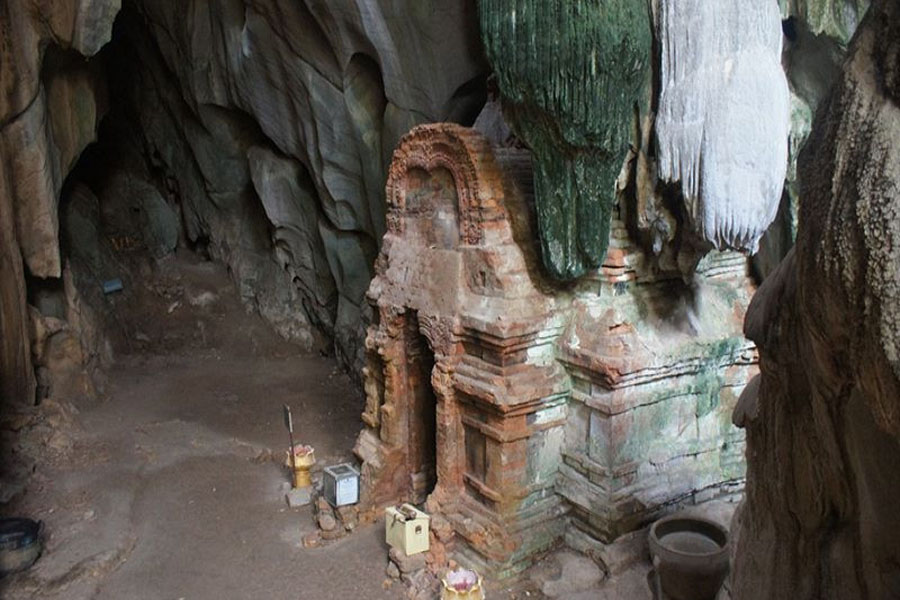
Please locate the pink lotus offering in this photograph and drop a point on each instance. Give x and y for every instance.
(462, 584)
(300, 451)
(462, 580)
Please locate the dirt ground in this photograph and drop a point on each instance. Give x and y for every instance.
(172, 487)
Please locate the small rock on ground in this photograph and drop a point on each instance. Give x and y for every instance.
(407, 564)
(392, 570)
(327, 522)
(298, 497)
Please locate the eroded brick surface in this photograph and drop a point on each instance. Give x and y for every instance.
(518, 408)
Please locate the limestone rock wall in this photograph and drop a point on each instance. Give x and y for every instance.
(693, 91)
(837, 19)
(823, 432)
(816, 36)
(264, 128)
(284, 114)
(50, 106)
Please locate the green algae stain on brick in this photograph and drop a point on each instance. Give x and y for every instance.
(709, 380)
(659, 424)
(572, 76)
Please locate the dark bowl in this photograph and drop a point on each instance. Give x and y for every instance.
(20, 544)
(690, 555)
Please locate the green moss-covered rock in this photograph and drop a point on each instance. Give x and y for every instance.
(834, 18)
(571, 74)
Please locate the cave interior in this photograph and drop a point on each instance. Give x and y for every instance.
(550, 274)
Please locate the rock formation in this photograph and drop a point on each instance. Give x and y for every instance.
(235, 123)
(719, 121)
(723, 116)
(816, 37)
(49, 111)
(836, 19)
(573, 103)
(263, 129)
(262, 133)
(823, 431)
(297, 107)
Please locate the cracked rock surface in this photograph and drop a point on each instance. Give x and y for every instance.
(820, 519)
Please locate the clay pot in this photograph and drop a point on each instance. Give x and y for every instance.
(462, 584)
(690, 556)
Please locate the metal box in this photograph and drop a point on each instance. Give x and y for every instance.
(341, 484)
(406, 529)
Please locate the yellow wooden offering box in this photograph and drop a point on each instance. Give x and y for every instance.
(406, 529)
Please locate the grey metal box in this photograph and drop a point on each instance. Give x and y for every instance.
(341, 484)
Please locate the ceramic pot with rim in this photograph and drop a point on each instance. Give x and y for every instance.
(690, 556)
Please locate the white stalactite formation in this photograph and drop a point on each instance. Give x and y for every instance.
(724, 115)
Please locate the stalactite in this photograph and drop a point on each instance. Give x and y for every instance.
(724, 115)
(573, 103)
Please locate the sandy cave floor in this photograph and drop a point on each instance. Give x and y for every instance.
(174, 488)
